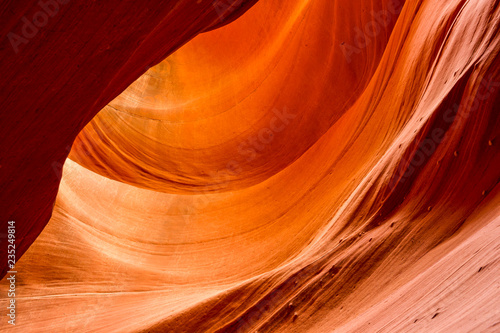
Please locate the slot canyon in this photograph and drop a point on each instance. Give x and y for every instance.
(250, 166)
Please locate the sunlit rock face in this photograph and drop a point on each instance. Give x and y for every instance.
(312, 166)
(226, 109)
(62, 62)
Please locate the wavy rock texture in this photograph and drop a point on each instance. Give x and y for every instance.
(314, 166)
(62, 62)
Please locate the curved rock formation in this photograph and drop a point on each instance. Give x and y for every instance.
(61, 63)
(314, 166)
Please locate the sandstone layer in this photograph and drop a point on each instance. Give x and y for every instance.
(311, 166)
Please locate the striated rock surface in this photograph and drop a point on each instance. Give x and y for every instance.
(61, 62)
(313, 166)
